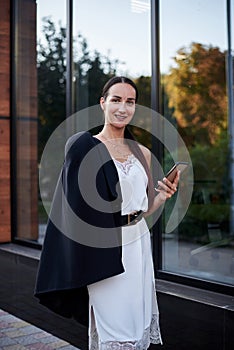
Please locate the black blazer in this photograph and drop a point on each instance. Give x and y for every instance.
(83, 238)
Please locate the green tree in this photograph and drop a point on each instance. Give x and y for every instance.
(91, 71)
(196, 89)
(144, 87)
(51, 81)
(91, 74)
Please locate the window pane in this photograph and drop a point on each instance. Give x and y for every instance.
(193, 70)
(51, 73)
(113, 38)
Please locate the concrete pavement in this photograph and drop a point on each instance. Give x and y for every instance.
(16, 334)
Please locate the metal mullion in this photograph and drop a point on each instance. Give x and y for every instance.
(156, 106)
(69, 60)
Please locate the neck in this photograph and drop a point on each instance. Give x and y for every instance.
(111, 132)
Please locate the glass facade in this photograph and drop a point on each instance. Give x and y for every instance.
(51, 84)
(109, 39)
(195, 98)
(195, 93)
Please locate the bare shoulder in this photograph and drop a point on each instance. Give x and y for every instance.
(146, 153)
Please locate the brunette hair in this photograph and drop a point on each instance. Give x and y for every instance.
(134, 146)
(117, 80)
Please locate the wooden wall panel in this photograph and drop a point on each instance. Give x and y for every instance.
(5, 207)
(25, 119)
(5, 192)
(26, 124)
(5, 57)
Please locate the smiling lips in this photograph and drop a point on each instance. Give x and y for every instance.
(120, 117)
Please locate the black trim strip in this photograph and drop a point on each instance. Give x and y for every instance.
(69, 58)
(3, 117)
(196, 282)
(28, 119)
(155, 57)
(27, 243)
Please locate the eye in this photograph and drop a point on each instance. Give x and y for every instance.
(115, 100)
(130, 103)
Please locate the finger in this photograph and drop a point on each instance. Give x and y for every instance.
(169, 184)
(177, 176)
(163, 186)
(176, 180)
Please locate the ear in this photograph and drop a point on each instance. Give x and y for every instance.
(102, 102)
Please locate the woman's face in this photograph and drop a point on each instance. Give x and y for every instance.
(119, 106)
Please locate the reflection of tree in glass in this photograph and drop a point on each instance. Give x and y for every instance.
(51, 81)
(91, 71)
(197, 92)
(197, 99)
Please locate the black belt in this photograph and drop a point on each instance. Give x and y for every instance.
(132, 219)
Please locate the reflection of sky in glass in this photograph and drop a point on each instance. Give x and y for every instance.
(121, 29)
(184, 22)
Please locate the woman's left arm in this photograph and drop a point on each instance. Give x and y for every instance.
(166, 188)
(166, 191)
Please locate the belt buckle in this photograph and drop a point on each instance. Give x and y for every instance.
(129, 219)
(134, 221)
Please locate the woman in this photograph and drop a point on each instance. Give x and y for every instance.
(116, 280)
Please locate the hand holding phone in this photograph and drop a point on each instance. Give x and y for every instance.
(178, 166)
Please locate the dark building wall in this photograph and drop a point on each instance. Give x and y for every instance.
(196, 323)
(191, 318)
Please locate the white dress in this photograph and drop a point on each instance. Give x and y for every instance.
(123, 309)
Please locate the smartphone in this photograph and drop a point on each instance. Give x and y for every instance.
(178, 166)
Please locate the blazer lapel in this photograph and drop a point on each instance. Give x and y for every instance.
(109, 170)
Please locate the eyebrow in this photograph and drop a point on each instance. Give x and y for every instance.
(129, 98)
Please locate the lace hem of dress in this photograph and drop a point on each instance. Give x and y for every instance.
(151, 335)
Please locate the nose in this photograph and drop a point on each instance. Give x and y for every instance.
(122, 107)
